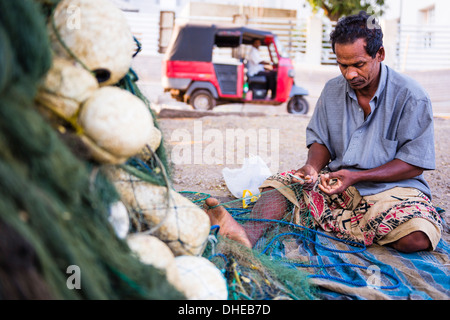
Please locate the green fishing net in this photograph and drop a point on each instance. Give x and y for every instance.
(53, 206)
(260, 273)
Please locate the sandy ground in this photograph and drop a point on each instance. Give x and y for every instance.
(200, 148)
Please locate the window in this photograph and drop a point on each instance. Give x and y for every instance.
(428, 15)
(428, 18)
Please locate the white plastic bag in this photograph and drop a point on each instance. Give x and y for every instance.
(248, 178)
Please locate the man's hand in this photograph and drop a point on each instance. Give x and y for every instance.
(396, 170)
(336, 182)
(267, 65)
(309, 176)
(318, 157)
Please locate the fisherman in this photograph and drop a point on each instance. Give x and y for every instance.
(369, 141)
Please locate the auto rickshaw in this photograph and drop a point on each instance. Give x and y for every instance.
(205, 65)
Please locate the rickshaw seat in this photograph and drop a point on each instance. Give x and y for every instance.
(254, 79)
(257, 79)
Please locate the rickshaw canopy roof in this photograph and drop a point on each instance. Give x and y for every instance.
(195, 42)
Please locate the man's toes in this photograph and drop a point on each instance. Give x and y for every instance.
(212, 202)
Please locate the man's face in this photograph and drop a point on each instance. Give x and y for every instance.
(257, 43)
(358, 67)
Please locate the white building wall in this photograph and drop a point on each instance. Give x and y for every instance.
(409, 11)
(405, 48)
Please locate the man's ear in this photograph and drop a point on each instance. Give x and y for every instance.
(381, 54)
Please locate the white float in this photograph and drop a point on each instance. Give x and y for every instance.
(171, 217)
(201, 279)
(117, 121)
(152, 251)
(97, 33)
(66, 86)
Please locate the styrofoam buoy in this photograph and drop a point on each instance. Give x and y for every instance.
(201, 279)
(66, 86)
(97, 33)
(152, 251)
(117, 121)
(174, 219)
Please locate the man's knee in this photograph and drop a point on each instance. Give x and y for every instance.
(413, 242)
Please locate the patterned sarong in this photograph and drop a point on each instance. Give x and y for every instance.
(382, 218)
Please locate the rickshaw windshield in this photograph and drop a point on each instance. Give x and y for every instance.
(281, 49)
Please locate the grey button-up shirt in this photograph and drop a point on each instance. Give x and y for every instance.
(400, 126)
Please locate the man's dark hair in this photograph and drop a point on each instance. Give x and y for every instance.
(359, 26)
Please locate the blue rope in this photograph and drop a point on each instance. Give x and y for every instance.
(352, 243)
(225, 259)
(354, 283)
(310, 240)
(362, 247)
(139, 46)
(216, 226)
(139, 164)
(236, 212)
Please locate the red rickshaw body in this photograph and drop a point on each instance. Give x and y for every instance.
(192, 74)
(284, 81)
(203, 71)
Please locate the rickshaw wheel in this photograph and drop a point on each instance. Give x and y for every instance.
(298, 105)
(202, 100)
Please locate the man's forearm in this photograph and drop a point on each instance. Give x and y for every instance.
(396, 170)
(318, 156)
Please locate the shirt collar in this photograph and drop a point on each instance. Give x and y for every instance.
(381, 85)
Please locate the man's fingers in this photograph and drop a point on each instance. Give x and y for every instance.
(301, 178)
(326, 189)
(324, 180)
(321, 187)
(331, 186)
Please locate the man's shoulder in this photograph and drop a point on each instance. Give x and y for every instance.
(254, 50)
(335, 84)
(403, 83)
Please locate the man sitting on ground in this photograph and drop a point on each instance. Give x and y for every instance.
(370, 139)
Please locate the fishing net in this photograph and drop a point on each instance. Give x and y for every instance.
(55, 204)
(289, 255)
(261, 273)
(54, 207)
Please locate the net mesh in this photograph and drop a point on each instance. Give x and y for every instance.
(289, 252)
(261, 273)
(51, 201)
(57, 204)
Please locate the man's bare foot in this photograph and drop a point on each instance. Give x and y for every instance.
(229, 227)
